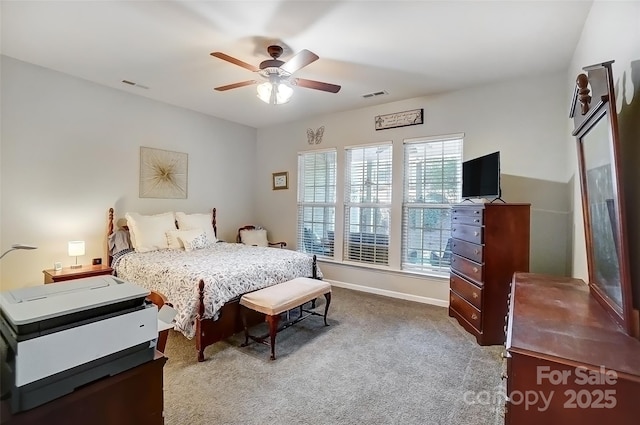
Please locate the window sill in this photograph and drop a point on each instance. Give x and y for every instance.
(384, 269)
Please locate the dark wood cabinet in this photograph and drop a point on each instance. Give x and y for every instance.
(568, 360)
(132, 397)
(489, 243)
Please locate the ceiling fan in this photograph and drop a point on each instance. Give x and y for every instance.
(277, 75)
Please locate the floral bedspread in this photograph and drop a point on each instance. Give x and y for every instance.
(228, 270)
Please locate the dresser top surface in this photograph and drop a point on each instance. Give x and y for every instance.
(558, 318)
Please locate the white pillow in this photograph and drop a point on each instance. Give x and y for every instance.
(173, 237)
(149, 232)
(256, 237)
(197, 221)
(193, 240)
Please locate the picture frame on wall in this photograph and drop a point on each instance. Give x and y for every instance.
(399, 119)
(280, 180)
(163, 174)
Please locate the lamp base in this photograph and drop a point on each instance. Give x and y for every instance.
(76, 266)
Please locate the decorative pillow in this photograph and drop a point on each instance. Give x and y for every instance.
(191, 242)
(173, 237)
(197, 221)
(149, 232)
(256, 237)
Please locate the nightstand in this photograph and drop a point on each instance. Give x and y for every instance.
(67, 273)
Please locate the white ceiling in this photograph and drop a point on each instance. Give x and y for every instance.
(408, 48)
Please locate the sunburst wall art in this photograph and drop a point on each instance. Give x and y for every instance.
(163, 174)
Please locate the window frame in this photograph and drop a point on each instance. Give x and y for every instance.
(436, 213)
(366, 245)
(308, 240)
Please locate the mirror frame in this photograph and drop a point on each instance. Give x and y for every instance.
(599, 82)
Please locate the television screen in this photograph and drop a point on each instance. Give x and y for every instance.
(481, 177)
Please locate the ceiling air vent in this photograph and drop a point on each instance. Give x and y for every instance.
(374, 94)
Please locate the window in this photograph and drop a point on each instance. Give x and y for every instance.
(317, 202)
(432, 183)
(367, 203)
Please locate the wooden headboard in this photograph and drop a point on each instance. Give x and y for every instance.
(110, 228)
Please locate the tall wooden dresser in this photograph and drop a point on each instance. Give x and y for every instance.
(489, 243)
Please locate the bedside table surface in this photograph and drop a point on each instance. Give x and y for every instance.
(67, 273)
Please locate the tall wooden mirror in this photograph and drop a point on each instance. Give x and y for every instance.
(596, 132)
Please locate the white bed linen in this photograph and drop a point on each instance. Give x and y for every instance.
(228, 270)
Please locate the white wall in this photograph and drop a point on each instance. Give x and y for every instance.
(70, 151)
(525, 119)
(611, 32)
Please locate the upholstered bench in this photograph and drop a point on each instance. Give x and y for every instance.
(277, 299)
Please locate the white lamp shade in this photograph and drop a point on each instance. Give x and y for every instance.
(76, 248)
(274, 93)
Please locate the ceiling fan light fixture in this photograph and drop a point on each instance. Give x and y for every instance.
(274, 92)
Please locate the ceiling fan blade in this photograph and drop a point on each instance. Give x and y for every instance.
(235, 61)
(236, 85)
(317, 85)
(299, 61)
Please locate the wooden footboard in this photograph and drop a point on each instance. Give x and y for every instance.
(209, 331)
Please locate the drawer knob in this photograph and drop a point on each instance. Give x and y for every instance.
(476, 233)
(476, 212)
(503, 355)
(455, 218)
(476, 251)
(475, 295)
(474, 317)
(503, 375)
(477, 220)
(475, 270)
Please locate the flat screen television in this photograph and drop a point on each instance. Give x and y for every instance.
(481, 177)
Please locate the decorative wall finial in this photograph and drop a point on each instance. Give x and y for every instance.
(583, 93)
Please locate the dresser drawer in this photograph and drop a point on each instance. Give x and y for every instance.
(475, 210)
(467, 232)
(467, 249)
(467, 216)
(467, 268)
(467, 290)
(466, 310)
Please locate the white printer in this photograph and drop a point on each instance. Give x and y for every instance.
(61, 336)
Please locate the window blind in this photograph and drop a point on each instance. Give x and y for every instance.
(368, 172)
(317, 202)
(432, 183)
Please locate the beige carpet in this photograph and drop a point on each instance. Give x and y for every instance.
(381, 361)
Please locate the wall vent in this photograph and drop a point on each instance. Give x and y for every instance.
(374, 94)
(131, 83)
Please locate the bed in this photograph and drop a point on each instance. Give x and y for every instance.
(204, 285)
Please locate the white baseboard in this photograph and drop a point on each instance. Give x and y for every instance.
(388, 293)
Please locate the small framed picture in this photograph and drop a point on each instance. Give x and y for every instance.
(280, 180)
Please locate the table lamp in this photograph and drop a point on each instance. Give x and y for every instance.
(76, 249)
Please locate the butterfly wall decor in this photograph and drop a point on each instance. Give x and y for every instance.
(315, 137)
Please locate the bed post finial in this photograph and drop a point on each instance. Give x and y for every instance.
(314, 270)
(199, 330)
(213, 222)
(110, 221)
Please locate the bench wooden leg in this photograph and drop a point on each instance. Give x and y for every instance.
(273, 330)
(327, 297)
(243, 314)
